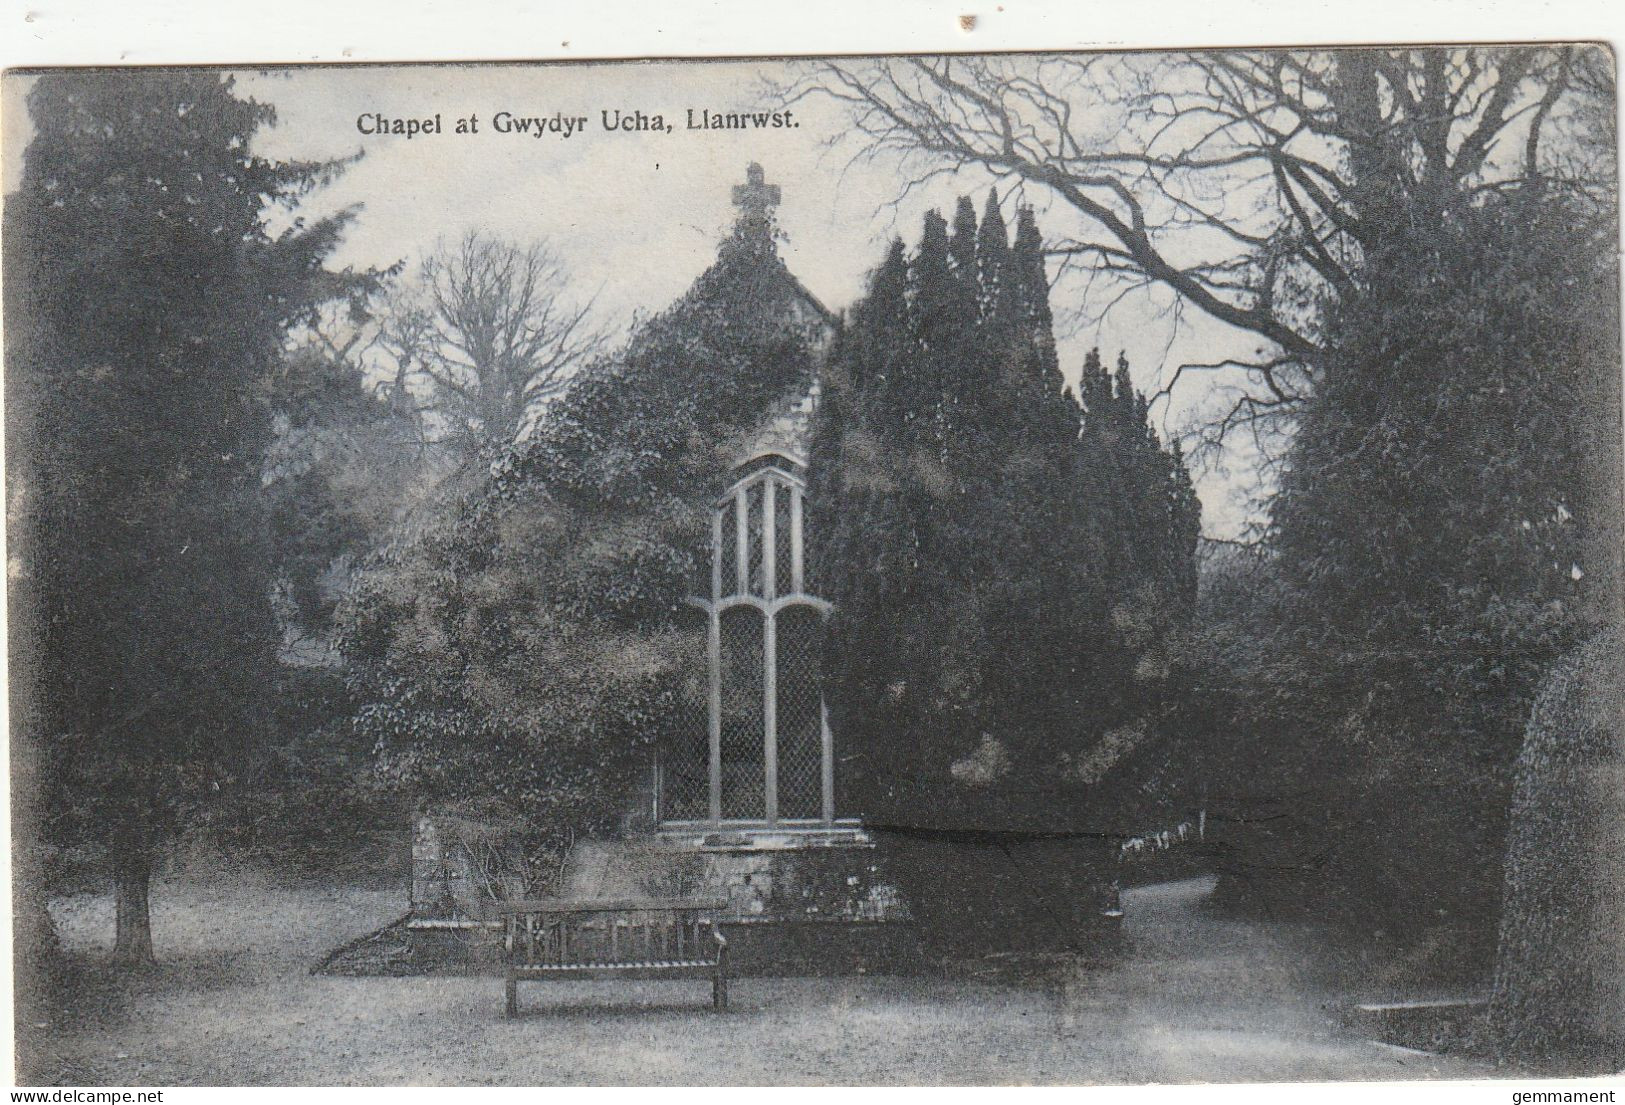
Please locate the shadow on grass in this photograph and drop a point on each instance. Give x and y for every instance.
(87, 989)
(71, 992)
(585, 1011)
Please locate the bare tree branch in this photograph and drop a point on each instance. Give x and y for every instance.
(1253, 184)
(484, 337)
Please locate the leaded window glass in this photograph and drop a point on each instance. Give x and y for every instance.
(762, 741)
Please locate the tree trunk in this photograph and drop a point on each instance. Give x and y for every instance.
(132, 944)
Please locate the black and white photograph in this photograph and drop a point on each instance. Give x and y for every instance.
(987, 568)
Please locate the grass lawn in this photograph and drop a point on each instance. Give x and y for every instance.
(1194, 998)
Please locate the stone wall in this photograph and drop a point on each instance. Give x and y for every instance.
(797, 903)
(457, 864)
(439, 875)
(766, 878)
(787, 876)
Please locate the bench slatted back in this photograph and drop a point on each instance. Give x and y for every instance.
(559, 934)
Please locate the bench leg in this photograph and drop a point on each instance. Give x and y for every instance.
(719, 992)
(513, 997)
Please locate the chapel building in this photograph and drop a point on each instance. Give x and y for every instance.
(748, 803)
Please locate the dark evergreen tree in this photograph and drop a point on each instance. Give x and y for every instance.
(343, 459)
(147, 299)
(344, 462)
(1148, 566)
(974, 664)
(1557, 1001)
(1447, 528)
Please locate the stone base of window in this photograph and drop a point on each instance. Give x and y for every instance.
(755, 836)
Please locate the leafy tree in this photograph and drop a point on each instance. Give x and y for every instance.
(516, 651)
(1448, 530)
(147, 302)
(1446, 533)
(346, 457)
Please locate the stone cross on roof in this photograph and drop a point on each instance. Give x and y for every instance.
(755, 196)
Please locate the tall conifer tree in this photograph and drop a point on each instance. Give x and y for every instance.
(976, 518)
(147, 300)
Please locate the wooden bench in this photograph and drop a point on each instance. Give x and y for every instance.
(629, 938)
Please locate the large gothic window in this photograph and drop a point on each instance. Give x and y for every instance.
(765, 756)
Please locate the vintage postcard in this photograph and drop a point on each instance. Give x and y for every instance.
(1007, 568)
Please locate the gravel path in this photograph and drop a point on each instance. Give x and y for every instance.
(1196, 998)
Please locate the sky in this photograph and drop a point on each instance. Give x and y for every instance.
(635, 216)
